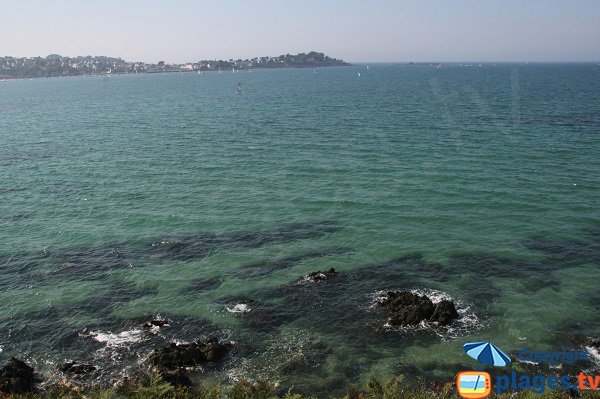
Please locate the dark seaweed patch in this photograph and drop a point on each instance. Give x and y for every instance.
(269, 266)
(51, 324)
(564, 250)
(593, 233)
(478, 274)
(198, 246)
(116, 294)
(85, 263)
(202, 284)
(47, 326)
(487, 265)
(409, 267)
(22, 270)
(56, 266)
(20, 263)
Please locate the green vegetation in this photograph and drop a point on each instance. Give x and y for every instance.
(55, 65)
(152, 386)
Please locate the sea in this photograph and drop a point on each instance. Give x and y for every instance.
(180, 197)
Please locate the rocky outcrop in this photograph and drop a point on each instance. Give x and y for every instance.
(444, 313)
(171, 360)
(189, 355)
(76, 368)
(16, 377)
(156, 322)
(320, 276)
(407, 309)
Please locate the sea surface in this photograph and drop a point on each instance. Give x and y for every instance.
(130, 197)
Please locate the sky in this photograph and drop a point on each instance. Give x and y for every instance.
(179, 31)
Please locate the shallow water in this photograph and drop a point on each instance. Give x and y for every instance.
(170, 194)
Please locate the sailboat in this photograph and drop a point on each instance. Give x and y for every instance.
(367, 67)
(239, 89)
(359, 74)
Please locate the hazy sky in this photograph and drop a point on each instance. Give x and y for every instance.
(355, 30)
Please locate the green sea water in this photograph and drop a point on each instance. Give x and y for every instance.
(128, 196)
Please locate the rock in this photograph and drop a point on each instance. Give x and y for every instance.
(16, 377)
(155, 323)
(176, 377)
(188, 355)
(76, 368)
(405, 308)
(320, 276)
(444, 313)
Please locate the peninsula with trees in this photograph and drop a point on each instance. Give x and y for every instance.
(55, 65)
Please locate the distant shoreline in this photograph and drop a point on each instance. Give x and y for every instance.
(55, 65)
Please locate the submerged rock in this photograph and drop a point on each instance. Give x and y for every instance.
(16, 377)
(176, 377)
(188, 355)
(320, 276)
(407, 309)
(76, 368)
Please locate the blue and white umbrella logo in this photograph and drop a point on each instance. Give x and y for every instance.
(487, 353)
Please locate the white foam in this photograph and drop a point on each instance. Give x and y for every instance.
(313, 278)
(594, 354)
(116, 340)
(239, 308)
(527, 362)
(435, 296)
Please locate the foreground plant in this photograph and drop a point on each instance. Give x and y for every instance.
(153, 386)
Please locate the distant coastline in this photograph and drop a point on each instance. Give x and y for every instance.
(55, 65)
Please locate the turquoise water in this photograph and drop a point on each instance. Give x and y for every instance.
(170, 194)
